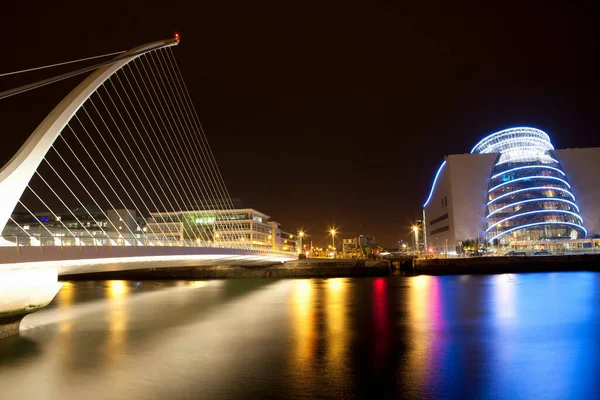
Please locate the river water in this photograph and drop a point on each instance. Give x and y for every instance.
(529, 336)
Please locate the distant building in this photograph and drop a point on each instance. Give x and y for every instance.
(358, 247)
(513, 187)
(276, 241)
(124, 221)
(289, 242)
(285, 241)
(87, 226)
(230, 226)
(91, 226)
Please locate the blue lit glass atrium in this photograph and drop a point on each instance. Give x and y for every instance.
(529, 196)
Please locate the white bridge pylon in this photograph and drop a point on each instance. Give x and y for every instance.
(126, 140)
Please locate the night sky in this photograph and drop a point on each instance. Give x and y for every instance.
(333, 113)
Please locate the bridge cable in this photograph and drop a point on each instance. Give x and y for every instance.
(58, 78)
(173, 100)
(20, 227)
(171, 157)
(63, 203)
(179, 205)
(180, 135)
(109, 166)
(144, 142)
(52, 212)
(219, 196)
(74, 195)
(59, 64)
(102, 173)
(36, 218)
(178, 185)
(142, 153)
(190, 106)
(85, 189)
(187, 170)
(116, 159)
(128, 162)
(189, 160)
(158, 101)
(90, 176)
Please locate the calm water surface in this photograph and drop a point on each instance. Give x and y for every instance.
(530, 336)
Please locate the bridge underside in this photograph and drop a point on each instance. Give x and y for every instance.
(81, 260)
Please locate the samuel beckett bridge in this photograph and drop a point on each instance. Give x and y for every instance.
(120, 176)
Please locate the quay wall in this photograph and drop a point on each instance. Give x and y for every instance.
(510, 264)
(309, 268)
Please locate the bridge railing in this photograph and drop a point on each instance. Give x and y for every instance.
(60, 241)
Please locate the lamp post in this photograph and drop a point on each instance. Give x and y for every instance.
(300, 236)
(332, 232)
(416, 231)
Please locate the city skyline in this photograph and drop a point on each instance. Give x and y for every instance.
(349, 110)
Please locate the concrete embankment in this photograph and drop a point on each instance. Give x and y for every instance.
(309, 268)
(501, 265)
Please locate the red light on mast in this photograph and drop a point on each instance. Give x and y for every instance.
(177, 36)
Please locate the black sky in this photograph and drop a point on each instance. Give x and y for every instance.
(326, 112)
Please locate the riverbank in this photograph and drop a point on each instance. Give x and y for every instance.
(308, 268)
(503, 265)
(325, 268)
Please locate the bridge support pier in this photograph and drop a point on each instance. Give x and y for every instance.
(23, 291)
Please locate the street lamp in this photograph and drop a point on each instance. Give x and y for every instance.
(415, 229)
(300, 236)
(332, 232)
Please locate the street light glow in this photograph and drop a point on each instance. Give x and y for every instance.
(332, 232)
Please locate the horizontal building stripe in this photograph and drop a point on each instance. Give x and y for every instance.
(537, 224)
(532, 201)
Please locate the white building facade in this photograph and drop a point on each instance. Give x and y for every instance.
(513, 187)
(232, 227)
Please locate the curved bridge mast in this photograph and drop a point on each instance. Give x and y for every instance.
(17, 173)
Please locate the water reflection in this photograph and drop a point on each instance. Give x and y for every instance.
(505, 337)
(117, 316)
(424, 311)
(337, 332)
(380, 322)
(303, 327)
(64, 299)
(320, 334)
(547, 328)
(503, 301)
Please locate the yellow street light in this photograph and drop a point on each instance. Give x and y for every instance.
(300, 237)
(332, 232)
(415, 229)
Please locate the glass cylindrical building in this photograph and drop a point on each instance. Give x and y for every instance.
(529, 196)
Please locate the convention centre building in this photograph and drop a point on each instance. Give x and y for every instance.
(514, 188)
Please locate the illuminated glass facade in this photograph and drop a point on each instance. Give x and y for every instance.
(529, 196)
